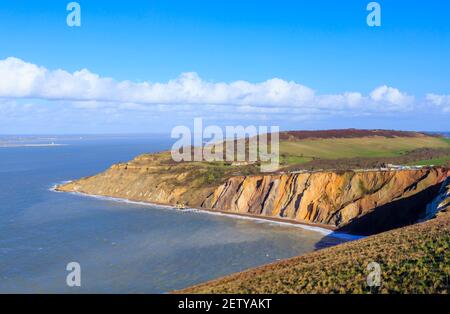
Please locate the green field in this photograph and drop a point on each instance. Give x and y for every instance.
(444, 161)
(298, 152)
(359, 147)
(446, 140)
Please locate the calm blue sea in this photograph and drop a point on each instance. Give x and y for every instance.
(122, 248)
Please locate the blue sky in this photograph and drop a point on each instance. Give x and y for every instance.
(324, 46)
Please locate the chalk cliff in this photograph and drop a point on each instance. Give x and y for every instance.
(363, 202)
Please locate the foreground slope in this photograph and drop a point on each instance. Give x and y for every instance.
(413, 259)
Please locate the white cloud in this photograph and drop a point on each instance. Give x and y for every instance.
(439, 101)
(392, 96)
(87, 90)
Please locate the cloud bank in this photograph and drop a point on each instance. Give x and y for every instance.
(84, 89)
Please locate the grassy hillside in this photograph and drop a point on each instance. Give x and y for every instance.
(321, 153)
(303, 151)
(353, 148)
(414, 259)
(437, 161)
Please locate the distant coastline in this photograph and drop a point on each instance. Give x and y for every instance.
(31, 145)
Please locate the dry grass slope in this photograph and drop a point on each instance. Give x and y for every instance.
(414, 259)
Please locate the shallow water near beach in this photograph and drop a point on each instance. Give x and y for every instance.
(121, 247)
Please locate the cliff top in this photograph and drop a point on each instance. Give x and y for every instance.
(319, 150)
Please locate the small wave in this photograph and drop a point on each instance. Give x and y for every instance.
(262, 220)
(52, 188)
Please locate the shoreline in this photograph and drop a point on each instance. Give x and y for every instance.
(323, 229)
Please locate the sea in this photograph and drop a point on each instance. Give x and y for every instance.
(117, 247)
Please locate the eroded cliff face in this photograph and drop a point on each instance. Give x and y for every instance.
(336, 199)
(357, 202)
